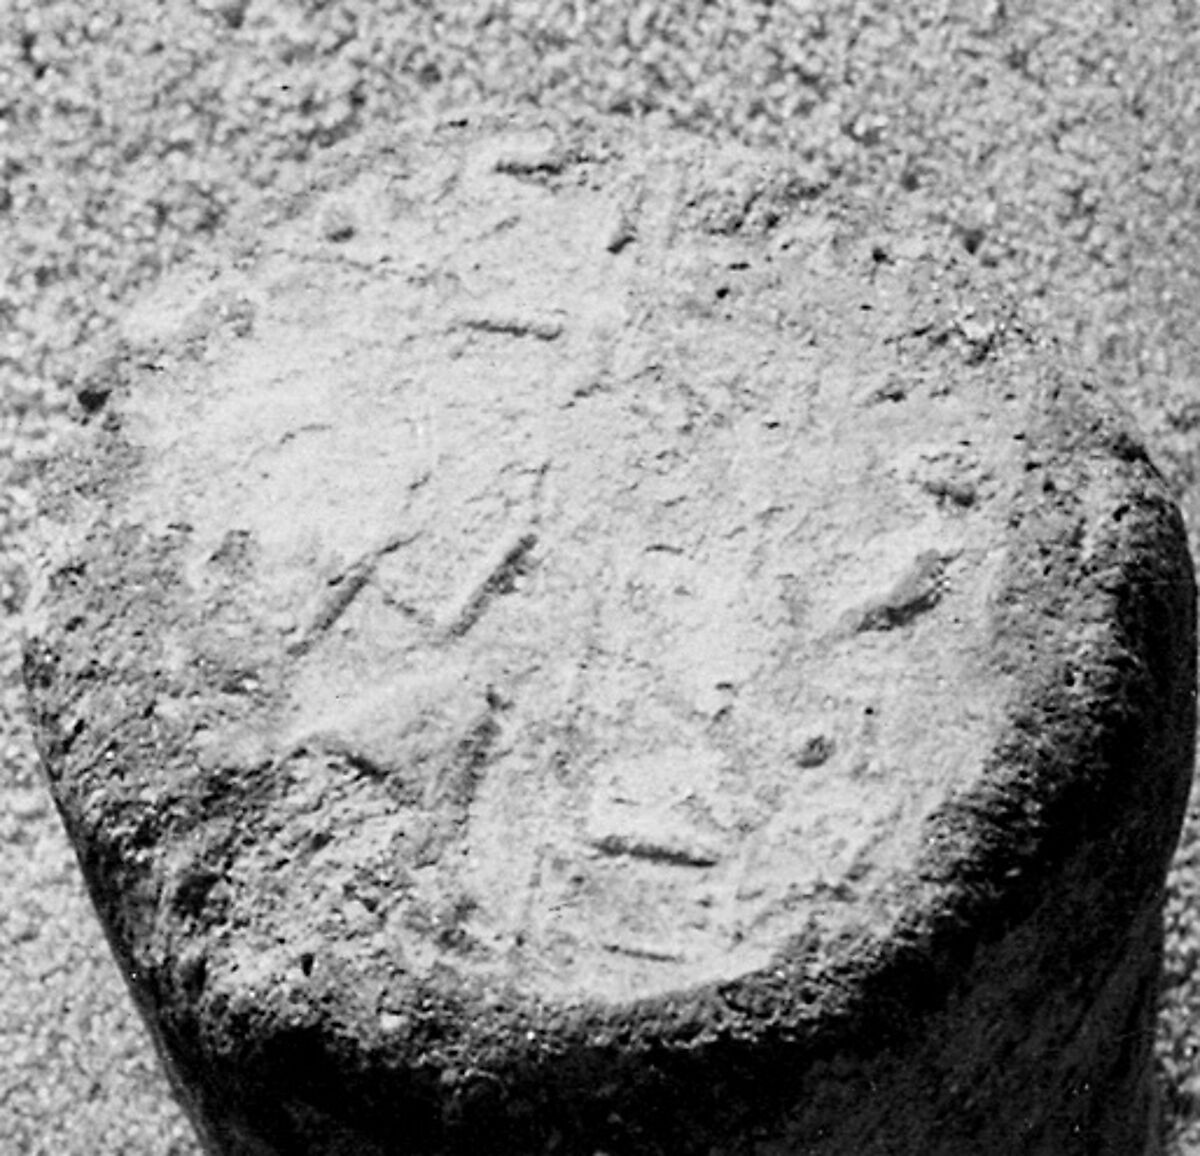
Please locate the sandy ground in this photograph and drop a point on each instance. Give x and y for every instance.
(1058, 143)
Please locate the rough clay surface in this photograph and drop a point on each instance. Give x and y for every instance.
(589, 568)
(555, 570)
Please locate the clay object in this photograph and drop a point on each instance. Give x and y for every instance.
(547, 648)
